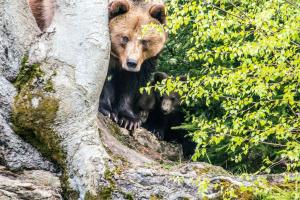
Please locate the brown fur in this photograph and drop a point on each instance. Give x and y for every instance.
(43, 11)
(145, 33)
(137, 37)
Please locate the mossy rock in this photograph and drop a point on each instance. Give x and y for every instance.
(34, 113)
(34, 110)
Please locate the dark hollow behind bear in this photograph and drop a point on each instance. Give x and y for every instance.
(136, 42)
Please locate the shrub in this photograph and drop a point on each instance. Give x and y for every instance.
(243, 90)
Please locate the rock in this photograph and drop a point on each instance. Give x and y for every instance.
(140, 140)
(17, 154)
(156, 182)
(58, 88)
(14, 152)
(166, 150)
(29, 184)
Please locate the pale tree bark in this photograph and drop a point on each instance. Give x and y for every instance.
(78, 53)
(17, 32)
(73, 55)
(50, 85)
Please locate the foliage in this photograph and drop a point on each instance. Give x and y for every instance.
(243, 90)
(258, 188)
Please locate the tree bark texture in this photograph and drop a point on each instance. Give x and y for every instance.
(58, 103)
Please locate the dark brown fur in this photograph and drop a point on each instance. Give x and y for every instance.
(131, 40)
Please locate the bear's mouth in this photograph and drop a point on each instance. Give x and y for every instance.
(166, 112)
(125, 67)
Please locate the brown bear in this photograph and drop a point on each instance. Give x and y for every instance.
(137, 37)
(162, 112)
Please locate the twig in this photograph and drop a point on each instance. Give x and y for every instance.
(240, 10)
(292, 3)
(218, 8)
(230, 180)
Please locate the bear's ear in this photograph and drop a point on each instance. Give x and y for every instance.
(182, 78)
(159, 76)
(158, 12)
(117, 7)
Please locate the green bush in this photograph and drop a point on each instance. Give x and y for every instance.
(243, 90)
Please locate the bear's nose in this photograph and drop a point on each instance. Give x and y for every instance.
(131, 63)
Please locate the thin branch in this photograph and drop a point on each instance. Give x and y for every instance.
(273, 144)
(292, 3)
(218, 8)
(295, 43)
(240, 10)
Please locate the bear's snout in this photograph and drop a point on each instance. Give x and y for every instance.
(166, 106)
(131, 63)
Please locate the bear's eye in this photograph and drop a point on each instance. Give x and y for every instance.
(125, 40)
(145, 43)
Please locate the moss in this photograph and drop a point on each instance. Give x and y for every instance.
(169, 166)
(155, 197)
(115, 130)
(27, 73)
(261, 189)
(68, 192)
(105, 147)
(210, 169)
(49, 86)
(278, 191)
(104, 194)
(229, 191)
(33, 114)
(34, 110)
(128, 196)
(108, 175)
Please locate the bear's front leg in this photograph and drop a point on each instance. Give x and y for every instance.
(127, 117)
(143, 114)
(159, 133)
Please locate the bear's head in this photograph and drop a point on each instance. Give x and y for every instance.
(169, 103)
(136, 31)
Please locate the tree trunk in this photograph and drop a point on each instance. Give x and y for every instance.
(50, 85)
(57, 86)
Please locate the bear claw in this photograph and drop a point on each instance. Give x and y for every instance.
(114, 117)
(158, 134)
(144, 116)
(104, 112)
(129, 124)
